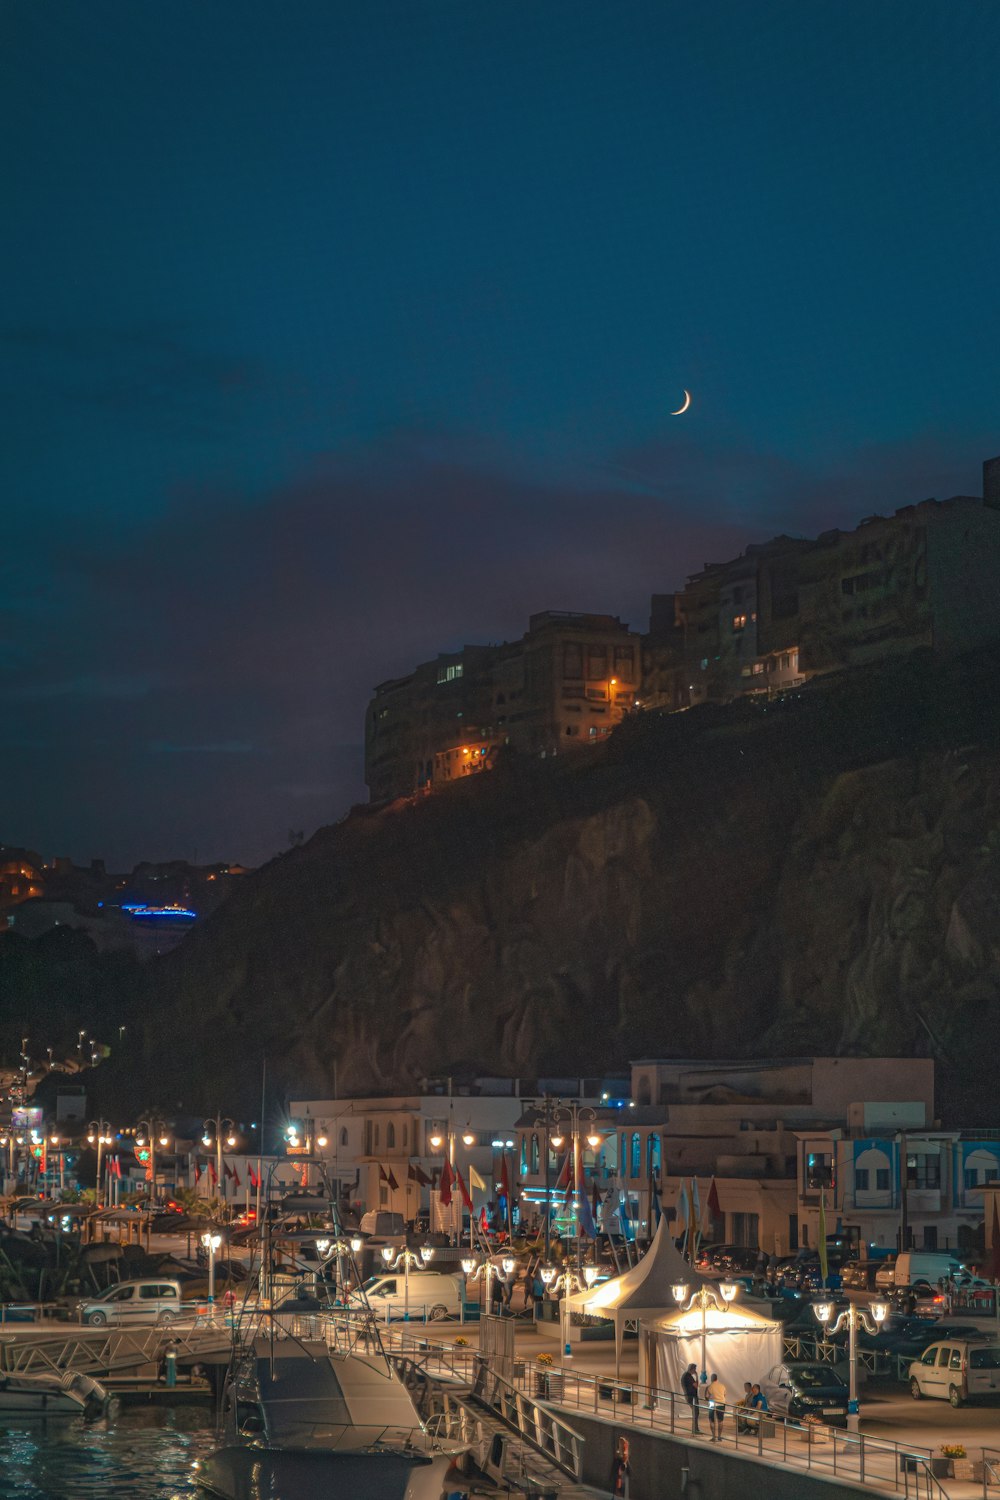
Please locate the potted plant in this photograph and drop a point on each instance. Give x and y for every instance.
(962, 1467)
(944, 1467)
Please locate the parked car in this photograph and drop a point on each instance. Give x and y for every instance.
(860, 1274)
(957, 1370)
(913, 1266)
(922, 1299)
(806, 1390)
(152, 1301)
(434, 1294)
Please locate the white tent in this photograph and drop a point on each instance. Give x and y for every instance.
(737, 1345)
(643, 1292)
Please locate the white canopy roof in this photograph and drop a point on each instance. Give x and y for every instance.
(644, 1291)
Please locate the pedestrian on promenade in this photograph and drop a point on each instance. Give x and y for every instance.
(689, 1385)
(716, 1394)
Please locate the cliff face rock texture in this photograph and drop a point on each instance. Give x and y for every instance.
(821, 875)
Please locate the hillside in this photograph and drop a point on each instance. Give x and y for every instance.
(819, 875)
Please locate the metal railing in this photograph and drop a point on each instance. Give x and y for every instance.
(541, 1427)
(98, 1352)
(879, 1463)
(991, 1470)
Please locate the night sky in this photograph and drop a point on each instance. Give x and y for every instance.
(337, 334)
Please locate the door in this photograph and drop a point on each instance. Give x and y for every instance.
(122, 1305)
(925, 1374)
(938, 1380)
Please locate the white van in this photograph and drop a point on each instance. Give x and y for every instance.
(956, 1369)
(432, 1294)
(924, 1265)
(152, 1301)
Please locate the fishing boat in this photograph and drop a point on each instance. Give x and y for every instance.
(312, 1407)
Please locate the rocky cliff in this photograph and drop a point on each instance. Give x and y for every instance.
(818, 875)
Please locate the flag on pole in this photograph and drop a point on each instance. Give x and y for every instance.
(391, 1180)
(463, 1190)
(694, 1221)
(197, 1171)
(584, 1214)
(236, 1177)
(254, 1179)
(681, 1211)
(475, 1181)
(213, 1174)
(565, 1178)
(823, 1268)
(227, 1170)
(444, 1186)
(484, 1223)
(712, 1205)
(416, 1173)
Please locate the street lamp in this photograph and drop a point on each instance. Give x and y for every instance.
(852, 1318)
(475, 1271)
(221, 1125)
(704, 1298)
(567, 1282)
(554, 1111)
(405, 1259)
(211, 1241)
(339, 1247)
(99, 1134)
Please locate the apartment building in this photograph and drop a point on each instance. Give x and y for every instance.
(567, 682)
(789, 609)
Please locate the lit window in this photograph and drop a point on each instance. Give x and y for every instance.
(739, 622)
(449, 673)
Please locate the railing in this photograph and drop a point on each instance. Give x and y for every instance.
(814, 1349)
(98, 1352)
(537, 1424)
(991, 1469)
(900, 1468)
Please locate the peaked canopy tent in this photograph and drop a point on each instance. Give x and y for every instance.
(643, 1292)
(734, 1343)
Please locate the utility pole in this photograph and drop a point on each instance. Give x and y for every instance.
(904, 1206)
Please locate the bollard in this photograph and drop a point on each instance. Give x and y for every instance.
(171, 1368)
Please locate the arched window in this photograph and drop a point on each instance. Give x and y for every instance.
(534, 1153)
(343, 1136)
(390, 1136)
(524, 1156)
(635, 1163)
(404, 1136)
(375, 1138)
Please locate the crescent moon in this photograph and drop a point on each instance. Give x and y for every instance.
(682, 409)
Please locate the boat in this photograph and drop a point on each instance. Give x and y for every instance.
(47, 1394)
(312, 1407)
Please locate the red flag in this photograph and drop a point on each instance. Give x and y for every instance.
(197, 1171)
(416, 1173)
(504, 1188)
(444, 1186)
(565, 1178)
(484, 1223)
(118, 1167)
(712, 1201)
(254, 1179)
(391, 1180)
(213, 1174)
(227, 1170)
(236, 1177)
(463, 1190)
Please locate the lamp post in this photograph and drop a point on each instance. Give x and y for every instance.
(574, 1113)
(468, 1141)
(155, 1132)
(339, 1247)
(567, 1282)
(99, 1134)
(485, 1271)
(852, 1318)
(704, 1298)
(405, 1259)
(221, 1125)
(211, 1240)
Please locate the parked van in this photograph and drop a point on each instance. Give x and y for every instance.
(957, 1370)
(152, 1301)
(382, 1223)
(932, 1266)
(432, 1294)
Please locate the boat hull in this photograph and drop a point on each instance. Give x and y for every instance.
(242, 1472)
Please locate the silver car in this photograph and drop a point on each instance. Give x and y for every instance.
(151, 1301)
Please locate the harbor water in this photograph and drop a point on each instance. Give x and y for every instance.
(142, 1453)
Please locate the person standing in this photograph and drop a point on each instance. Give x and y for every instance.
(689, 1385)
(716, 1394)
(621, 1470)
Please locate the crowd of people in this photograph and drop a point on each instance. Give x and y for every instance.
(748, 1410)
